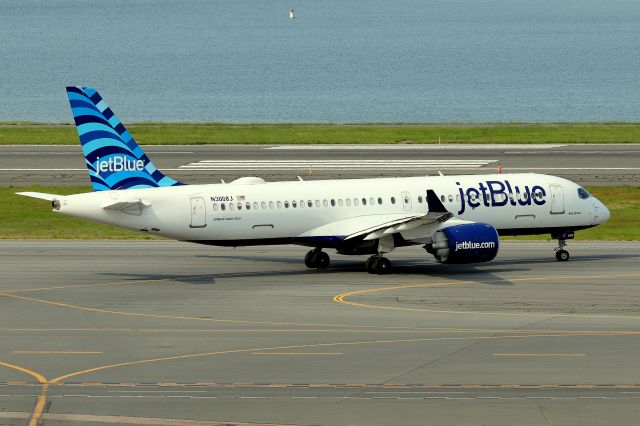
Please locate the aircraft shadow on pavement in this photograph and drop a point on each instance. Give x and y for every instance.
(481, 273)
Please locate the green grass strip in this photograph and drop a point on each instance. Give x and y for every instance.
(216, 133)
(28, 218)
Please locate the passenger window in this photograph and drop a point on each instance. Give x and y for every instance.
(372, 201)
(325, 203)
(248, 206)
(310, 203)
(222, 206)
(239, 206)
(279, 204)
(393, 200)
(364, 201)
(333, 202)
(286, 204)
(458, 197)
(301, 204)
(255, 206)
(271, 204)
(442, 198)
(317, 203)
(294, 204)
(232, 206)
(420, 199)
(451, 198)
(356, 202)
(340, 202)
(215, 206)
(263, 205)
(348, 201)
(379, 200)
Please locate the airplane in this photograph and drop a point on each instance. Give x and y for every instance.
(457, 219)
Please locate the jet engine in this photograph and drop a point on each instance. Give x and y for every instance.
(465, 243)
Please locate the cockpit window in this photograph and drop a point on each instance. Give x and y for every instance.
(582, 193)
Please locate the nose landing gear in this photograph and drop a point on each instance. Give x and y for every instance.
(316, 258)
(561, 254)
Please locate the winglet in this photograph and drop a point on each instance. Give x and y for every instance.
(434, 203)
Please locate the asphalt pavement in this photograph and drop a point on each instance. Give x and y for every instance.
(159, 332)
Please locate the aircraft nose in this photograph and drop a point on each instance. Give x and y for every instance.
(602, 211)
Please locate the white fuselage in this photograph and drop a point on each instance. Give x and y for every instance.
(250, 211)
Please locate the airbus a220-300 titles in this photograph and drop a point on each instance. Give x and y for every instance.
(457, 219)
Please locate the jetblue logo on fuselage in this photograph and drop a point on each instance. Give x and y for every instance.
(495, 193)
(119, 164)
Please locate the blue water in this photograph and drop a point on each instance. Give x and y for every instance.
(338, 61)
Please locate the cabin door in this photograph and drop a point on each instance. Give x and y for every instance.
(557, 199)
(198, 213)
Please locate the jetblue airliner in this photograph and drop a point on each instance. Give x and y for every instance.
(457, 219)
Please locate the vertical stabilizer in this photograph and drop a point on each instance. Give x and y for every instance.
(114, 159)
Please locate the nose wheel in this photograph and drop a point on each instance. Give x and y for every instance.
(378, 265)
(561, 254)
(317, 259)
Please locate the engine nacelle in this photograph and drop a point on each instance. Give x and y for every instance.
(465, 243)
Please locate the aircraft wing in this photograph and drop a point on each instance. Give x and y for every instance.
(375, 226)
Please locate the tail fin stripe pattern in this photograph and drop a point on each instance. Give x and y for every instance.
(113, 158)
(105, 152)
(97, 134)
(96, 127)
(97, 144)
(89, 119)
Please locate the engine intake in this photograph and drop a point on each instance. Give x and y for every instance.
(466, 243)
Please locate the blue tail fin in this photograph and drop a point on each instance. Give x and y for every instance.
(114, 159)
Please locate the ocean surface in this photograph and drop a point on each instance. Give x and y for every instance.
(337, 61)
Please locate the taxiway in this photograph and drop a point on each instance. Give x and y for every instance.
(158, 332)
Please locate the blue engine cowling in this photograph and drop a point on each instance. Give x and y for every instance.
(466, 243)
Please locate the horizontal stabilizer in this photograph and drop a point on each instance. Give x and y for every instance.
(134, 207)
(40, 195)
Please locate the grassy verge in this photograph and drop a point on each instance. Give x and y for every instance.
(217, 133)
(28, 218)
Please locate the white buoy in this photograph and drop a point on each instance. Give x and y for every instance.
(292, 15)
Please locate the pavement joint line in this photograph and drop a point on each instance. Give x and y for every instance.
(334, 385)
(340, 298)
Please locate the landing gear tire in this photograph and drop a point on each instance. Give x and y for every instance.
(378, 265)
(308, 259)
(322, 260)
(382, 266)
(317, 259)
(562, 255)
(368, 265)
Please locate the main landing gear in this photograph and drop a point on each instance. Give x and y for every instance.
(378, 264)
(561, 254)
(318, 259)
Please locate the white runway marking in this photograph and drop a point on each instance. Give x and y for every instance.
(334, 164)
(380, 147)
